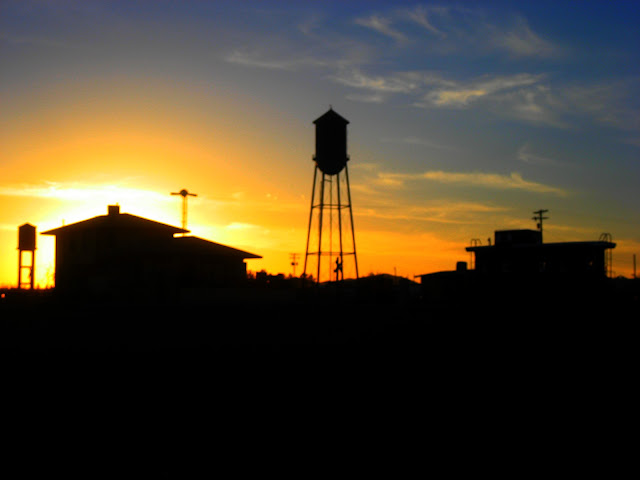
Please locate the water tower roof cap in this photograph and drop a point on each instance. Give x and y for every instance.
(331, 116)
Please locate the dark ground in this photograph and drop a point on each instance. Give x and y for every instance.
(374, 316)
(377, 378)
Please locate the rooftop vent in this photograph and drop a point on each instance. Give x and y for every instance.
(113, 209)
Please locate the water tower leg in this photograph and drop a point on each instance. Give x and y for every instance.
(320, 227)
(33, 268)
(313, 194)
(341, 270)
(353, 232)
(19, 269)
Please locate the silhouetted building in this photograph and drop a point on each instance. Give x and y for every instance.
(119, 251)
(519, 266)
(523, 252)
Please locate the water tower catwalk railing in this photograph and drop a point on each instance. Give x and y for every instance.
(328, 240)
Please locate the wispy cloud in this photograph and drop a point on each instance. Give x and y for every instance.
(521, 41)
(367, 97)
(74, 191)
(526, 97)
(462, 29)
(512, 181)
(522, 96)
(460, 95)
(449, 212)
(421, 16)
(434, 89)
(396, 83)
(37, 40)
(260, 61)
(525, 155)
(454, 98)
(350, 59)
(612, 102)
(451, 29)
(383, 26)
(424, 142)
(242, 226)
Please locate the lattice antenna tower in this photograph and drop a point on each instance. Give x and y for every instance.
(184, 194)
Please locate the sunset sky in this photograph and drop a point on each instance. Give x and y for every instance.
(465, 118)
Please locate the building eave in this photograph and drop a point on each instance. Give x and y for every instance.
(122, 220)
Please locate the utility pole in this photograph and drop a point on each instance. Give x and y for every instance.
(539, 218)
(294, 262)
(184, 194)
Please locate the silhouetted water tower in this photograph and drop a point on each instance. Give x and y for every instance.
(26, 243)
(327, 212)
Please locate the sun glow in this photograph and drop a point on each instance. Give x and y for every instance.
(66, 203)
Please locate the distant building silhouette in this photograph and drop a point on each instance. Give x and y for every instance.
(523, 252)
(119, 251)
(518, 264)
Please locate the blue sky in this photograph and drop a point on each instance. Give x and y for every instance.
(465, 116)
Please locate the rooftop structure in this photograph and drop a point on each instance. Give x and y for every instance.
(519, 266)
(523, 252)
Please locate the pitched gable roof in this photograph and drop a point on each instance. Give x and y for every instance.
(117, 221)
(331, 116)
(198, 245)
(177, 245)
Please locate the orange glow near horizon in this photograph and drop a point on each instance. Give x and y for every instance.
(53, 205)
(78, 147)
(132, 149)
(267, 230)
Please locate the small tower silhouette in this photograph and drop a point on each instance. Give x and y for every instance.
(329, 208)
(184, 194)
(26, 243)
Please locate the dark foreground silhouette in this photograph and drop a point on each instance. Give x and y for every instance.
(375, 314)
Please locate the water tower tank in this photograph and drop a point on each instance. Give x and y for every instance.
(331, 142)
(26, 237)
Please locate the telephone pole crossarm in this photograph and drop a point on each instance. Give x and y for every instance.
(539, 217)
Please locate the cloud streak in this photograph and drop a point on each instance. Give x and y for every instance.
(522, 96)
(525, 155)
(375, 73)
(381, 25)
(423, 142)
(512, 181)
(451, 212)
(255, 60)
(521, 41)
(460, 29)
(81, 192)
(396, 83)
(420, 15)
(460, 95)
